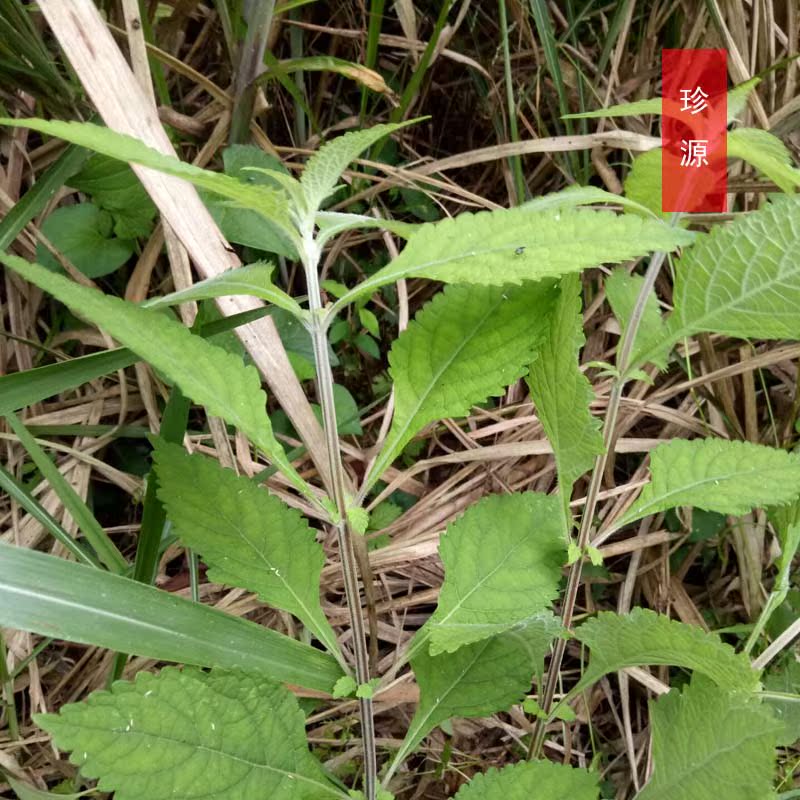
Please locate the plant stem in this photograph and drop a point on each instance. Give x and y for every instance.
(587, 518)
(344, 532)
(7, 682)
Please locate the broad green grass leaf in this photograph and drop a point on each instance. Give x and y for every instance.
(643, 637)
(466, 345)
(83, 234)
(514, 245)
(622, 290)
(254, 279)
(114, 187)
(57, 598)
(532, 780)
(709, 743)
(502, 562)
(729, 477)
(767, 153)
(248, 537)
(203, 372)
(266, 200)
(744, 278)
(479, 679)
(192, 735)
(325, 167)
(562, 393)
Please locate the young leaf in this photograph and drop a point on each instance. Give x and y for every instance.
(643, 637)
(57, 598)
(562, 393)
(729, 477)
(205, 373)
(708, 742)
(248, 537)
(325, 167)
(477, 680)
(622, 290)
(514, 245)
(767, 153)
(532, 780)
(467, 344)
(254, 279)
(743, 279)
(502, 563)
(576, 195)
(266, 200)
(190, 734)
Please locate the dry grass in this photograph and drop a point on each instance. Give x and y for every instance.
(462, 158)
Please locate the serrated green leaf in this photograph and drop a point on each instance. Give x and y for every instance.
(502, 562)
(744, 278)
(562, 394)
(508, 246)
(254, 280)
(622, 290)
(729, 477)
(83, 234)
(113, 186)
(479, 679)
(192, 735)
(325, 167)
(205, 373)
(532, 780)
(767, 153)
(708, 742)
(643, 637)
(467, 344)
(344, 687)
(248, 537)
(332, 223)
(63, 600)
(267, 201)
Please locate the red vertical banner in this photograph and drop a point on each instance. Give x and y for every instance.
(694, 121)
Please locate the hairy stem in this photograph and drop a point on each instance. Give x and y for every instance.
(344, 532)
(587, 518)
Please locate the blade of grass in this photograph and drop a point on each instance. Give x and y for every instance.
(17, 492)
(7, 682)
(514, 162)
(371, 55)
(106, 550)
(53, 597)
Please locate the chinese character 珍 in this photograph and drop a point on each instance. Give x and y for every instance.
(694, 152)
(693, 101)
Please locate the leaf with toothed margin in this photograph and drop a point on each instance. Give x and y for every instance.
(508, 246)
(206, 374)
(502, 562)
(532, 780)
(192, 735)
(642, 638)
(248, 537)
(466, 345)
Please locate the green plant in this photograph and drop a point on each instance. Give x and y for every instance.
(511, 309)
